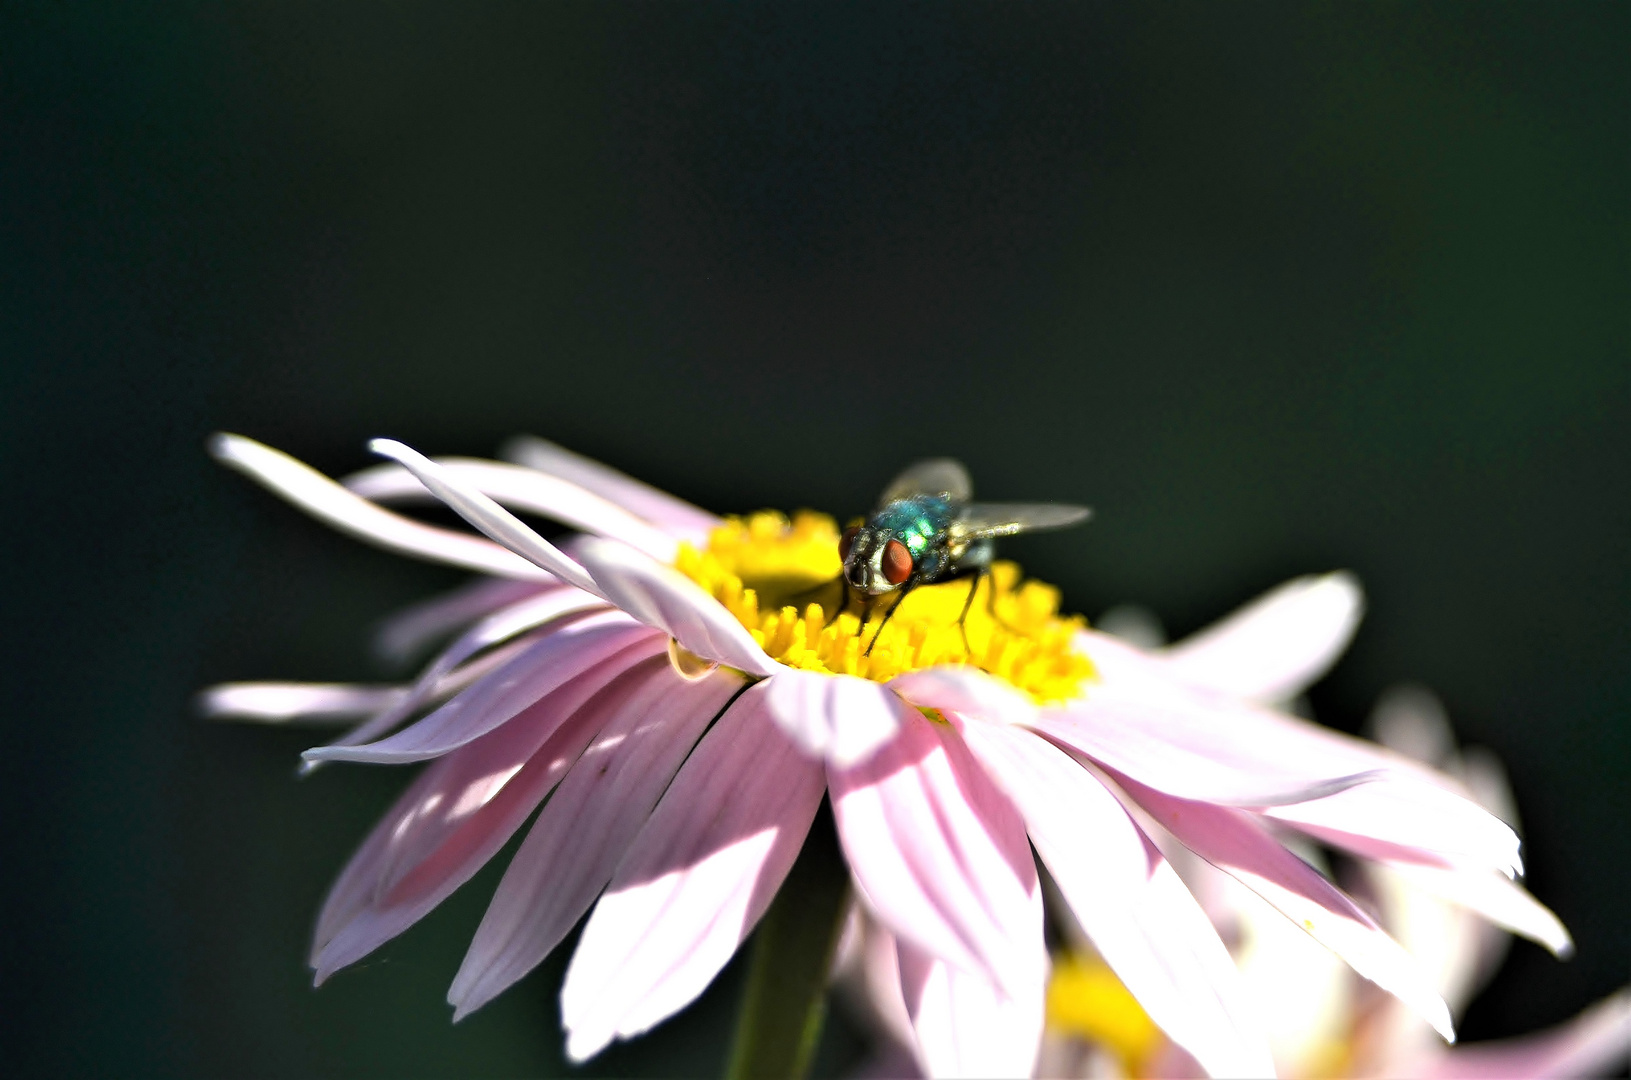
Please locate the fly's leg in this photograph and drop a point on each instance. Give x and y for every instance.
(962, 620)
(886, 617)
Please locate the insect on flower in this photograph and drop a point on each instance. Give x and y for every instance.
(926, 531)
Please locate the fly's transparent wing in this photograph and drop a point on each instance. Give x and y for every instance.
(935, 476)
(979, 521)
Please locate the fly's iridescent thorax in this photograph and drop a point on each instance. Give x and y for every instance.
(906, 538)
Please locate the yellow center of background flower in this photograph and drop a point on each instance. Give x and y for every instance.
(782, 580)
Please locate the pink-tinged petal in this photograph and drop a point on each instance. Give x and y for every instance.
(1595, 1043)
(1196, 750)
(523, 489)
(965, 1025)
(403, 635)
(662, 597)
(534, 672)
(283, 702)
(1405, 817)
(488, 518)
(1235, 842)
(1274, 647)
(1127, 898)
(324, 499)
(965, 690)
(516, 619)
(658, 507)
(1213, 749)
(940, 855)
(1502, 902)
(462, 810)
(695, 880)
(838, 717)
(583, 832)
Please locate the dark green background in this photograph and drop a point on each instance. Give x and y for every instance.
(1276, 288)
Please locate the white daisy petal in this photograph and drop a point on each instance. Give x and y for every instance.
(658, 507)
(662, 597)
(489, 518)
(839, 717)
(324, 499)
(1504, 903)
(523, 489)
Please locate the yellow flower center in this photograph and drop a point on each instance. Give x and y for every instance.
(782, 580)
(1086, 999)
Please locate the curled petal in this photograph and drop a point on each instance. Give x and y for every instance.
(1274, 647)
(1235, 842)
(583, 832)
(461, 811)
(1504, 903)
(324, 499)
(695, 880)
(839, 717)
(674, 515)
(940, 855)
(489, 518)
(965, 1025)
(524, 489)
(605, 645)
(662, 597)
(1145, 924)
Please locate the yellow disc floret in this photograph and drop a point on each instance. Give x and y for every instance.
(1085, 999)
(781, 579)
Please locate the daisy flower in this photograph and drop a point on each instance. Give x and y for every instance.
(662, 691)
(1322, 1022)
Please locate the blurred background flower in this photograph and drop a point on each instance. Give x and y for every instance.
(1276, 290)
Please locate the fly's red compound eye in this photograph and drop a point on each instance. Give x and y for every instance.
(846, 542)
(897, 563)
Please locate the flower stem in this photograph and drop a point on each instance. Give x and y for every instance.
(786, 997)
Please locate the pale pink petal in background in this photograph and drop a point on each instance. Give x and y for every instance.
(695, 881)
(410, 631)
(1504, 903)
(281, 702)
(1274, 647)
(583, 832)
(1595, 1043)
